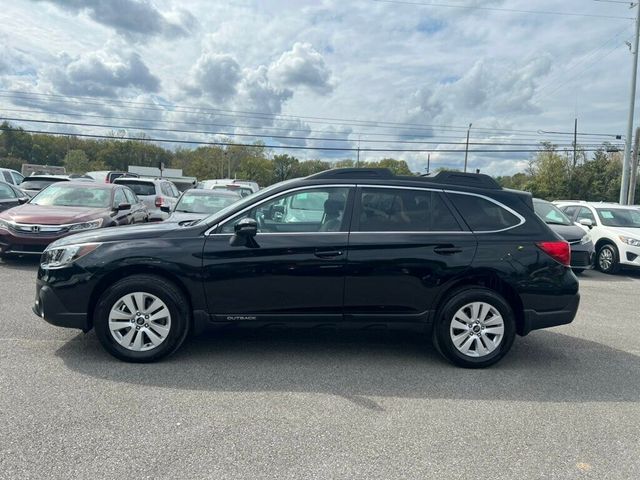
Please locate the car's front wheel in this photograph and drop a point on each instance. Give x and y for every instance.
(608, 259)
(475, 328)
(141, 318)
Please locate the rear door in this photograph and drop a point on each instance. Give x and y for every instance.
(405, 243)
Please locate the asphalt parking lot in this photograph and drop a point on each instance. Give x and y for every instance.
(564, 404)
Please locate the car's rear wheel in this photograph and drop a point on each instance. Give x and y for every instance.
(141, 318)
(608, 259)
(475, 328)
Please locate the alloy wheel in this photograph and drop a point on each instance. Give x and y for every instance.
(605, 259)
(139, 321)
(477, 329)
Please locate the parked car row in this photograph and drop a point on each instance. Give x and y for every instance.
(62, 205)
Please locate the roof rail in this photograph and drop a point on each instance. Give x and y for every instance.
(353, 173)
(465, 179)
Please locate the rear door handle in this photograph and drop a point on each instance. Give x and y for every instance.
(448, 250)
(328, 253)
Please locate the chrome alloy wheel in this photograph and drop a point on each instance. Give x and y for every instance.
(477, 329)
(605, 259)
(139, 321)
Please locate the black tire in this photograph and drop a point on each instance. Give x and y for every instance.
(167, 292)
(441, 330)
(611, 252)
(578, 271)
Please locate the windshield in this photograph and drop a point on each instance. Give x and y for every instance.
(65, 195)
(198, 202)
(38, 184)
(619, 217)
(139, 188)
(550, 214)
(242, 191)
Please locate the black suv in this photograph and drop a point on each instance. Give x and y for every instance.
(453, 255)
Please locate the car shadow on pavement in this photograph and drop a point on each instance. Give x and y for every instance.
(544, 367)
(626, 275)
(24, 263)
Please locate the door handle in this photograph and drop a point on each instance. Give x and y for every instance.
(328, 253)
(448, 250)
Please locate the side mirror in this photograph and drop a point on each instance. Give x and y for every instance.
(586, 222)
(165, 208)
(244, 232)
(23, 200)
(122, 206)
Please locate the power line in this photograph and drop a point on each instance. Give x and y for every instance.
(171, 130)
(499, 9)
(289, 147)
(426, 129)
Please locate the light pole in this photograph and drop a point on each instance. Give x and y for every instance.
(466, 150)
(626, 166)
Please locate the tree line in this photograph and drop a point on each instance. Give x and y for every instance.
(81, 155)
(551, 174)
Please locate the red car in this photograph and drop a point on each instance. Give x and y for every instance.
(65, 208)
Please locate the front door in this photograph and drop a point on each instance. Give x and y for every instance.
(405, 244)
(297, 270)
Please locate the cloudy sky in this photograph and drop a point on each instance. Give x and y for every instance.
(383, 75)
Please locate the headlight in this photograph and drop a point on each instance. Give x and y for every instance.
(86, 225)
(630, 241)
(4, 225)
(585, 239)
(60, 257)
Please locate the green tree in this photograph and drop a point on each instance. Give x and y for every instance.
(284, 167)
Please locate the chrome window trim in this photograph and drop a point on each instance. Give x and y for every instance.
(501, 205)
(210, 231)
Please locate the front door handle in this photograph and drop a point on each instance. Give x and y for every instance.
(328, 253)
(448, 250)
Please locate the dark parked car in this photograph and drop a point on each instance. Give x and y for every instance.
(454, 255)
(11, 196)
(582, 248)
(196, 204)
(65, 208)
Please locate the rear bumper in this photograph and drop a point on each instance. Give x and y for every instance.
(535, 320)
(49, 307)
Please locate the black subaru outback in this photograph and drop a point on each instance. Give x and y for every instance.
(453, 255)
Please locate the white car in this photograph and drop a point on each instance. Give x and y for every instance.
(11, 176)
(614, 229)
(242, 187)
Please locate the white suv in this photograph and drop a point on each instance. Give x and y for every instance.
(614, 229)
(10, 176)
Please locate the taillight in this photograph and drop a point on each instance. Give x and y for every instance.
(159, 201)
(559, 251)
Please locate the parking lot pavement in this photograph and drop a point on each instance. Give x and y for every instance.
(564, 404)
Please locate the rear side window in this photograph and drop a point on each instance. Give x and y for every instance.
(139, 188)
(7, 177)
(483, 215)
(6, 192)
(404, 210)
(166, 189)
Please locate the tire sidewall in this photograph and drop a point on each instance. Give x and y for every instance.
(446, 314)
(162, 289)
(615, 258)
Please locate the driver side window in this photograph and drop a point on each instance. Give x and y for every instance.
(302, 211)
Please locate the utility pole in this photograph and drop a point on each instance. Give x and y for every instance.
(358, 157)
(575, 142)
(633, 179)
(428, 162)
(626, 166)
(466, 150)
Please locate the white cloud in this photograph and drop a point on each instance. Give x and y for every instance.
(302, 66)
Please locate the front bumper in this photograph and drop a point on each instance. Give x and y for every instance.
(50, 308)
(26, 244)
(535, 320)
(629, 255)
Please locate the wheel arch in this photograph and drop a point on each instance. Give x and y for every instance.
(604, 241)
(490, 280)
(130, 270)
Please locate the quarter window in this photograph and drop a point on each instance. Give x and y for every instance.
(404, 210)
(302, 211)
(483, 215)
(7, 177)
